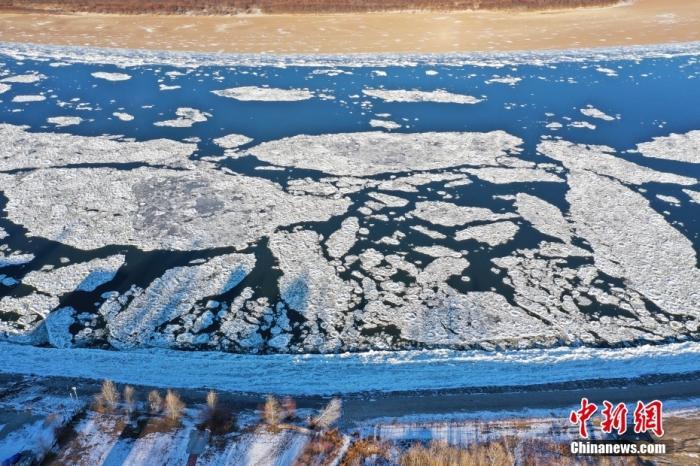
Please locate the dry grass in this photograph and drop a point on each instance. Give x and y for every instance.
(155, 401)
(501, 452)
(285, 6)
(363, 450)
(439, 453)
(174, 406)
(321, 450)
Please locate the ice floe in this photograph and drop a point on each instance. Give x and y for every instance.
(61, 121)
(678, 147)
(582, 125)
(543, 216)
(632, 241)
(606, 71)
(24, 78)
(24, 150)
(123, 116)
(472, 318)
(265, 94)
(22, 317)
(170, 297)
(156, 208)
(316, 292)
(669, 199)
(593, 112)
(371, 153)
(14, 259)
(186, 117)
(111, 76)
(386, 124)
(340, 242)
(438, 96)
(232, 141)
(28, 98)
(500, 175)
(492, 234)
(693, 195)
(4, 88)
(450, 215)
(600, 160)
(428, 232)
(509, 80)
(83, 276)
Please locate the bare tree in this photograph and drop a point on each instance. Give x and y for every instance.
(129, 399)
(212, 400)
(271, 412)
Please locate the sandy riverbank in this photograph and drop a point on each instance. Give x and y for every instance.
(639, 23)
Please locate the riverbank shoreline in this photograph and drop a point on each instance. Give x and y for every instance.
(642, 22)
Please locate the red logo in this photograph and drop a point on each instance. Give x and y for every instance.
(581, 416)
(614, 418)
(646, 417)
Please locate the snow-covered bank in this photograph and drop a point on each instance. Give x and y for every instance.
(351, 373)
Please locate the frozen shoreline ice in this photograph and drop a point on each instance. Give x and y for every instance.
(352, 373)
(136, 57)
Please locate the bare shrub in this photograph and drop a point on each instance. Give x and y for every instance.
(174, 406)
(328, 415)
(272, 413)
(129, 399)
(155, 401)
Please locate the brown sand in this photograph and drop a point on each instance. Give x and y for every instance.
(640, 23)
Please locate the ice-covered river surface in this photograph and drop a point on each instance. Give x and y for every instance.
(264, 205)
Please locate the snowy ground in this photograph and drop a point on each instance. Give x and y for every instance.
(69, 430)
